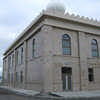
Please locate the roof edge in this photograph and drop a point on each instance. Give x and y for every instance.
(25, 30)
(66, 16)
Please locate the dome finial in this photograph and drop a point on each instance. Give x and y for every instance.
(56, 6)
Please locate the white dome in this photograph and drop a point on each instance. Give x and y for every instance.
(56, 6)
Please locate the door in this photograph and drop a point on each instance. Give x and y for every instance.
(67, 82)
(67, 79)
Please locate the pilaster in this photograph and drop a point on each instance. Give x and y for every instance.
(25, 64)
(83, 61)
(47, 70)
(14, 68)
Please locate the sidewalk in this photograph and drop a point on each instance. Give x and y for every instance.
(79, 94)
(55, 95)
(20, 91)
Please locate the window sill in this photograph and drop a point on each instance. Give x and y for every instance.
(66, 56)
(19, 64)
(93, 58)
(91, 82)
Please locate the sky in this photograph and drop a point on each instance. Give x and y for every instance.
(16, 15)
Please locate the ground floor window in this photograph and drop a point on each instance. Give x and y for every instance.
(12, 78)
(16, 76)
(66, 79)
(90, 75)
(21, 77)
(9, 77)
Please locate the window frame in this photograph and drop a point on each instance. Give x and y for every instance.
(22, 54)
(34, 48)
(12, 78)
(21, 77)
(94, 50)
(5, 65)
(90, 75)
(17, 79)
(12, 60)
(17, 57)
(66, 44)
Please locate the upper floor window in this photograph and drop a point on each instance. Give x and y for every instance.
(13, 60)
(10, 61)
(21, 55)
(66, 44)
(16, 76)
(17, 56)
(5, 65)
(94, 45)
(34, 48)
(9, 77)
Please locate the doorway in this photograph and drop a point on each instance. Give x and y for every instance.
(67, 79)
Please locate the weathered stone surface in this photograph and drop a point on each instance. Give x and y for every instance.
(43, 72)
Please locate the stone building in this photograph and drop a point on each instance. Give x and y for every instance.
(56, 52)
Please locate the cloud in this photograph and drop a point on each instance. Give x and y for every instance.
(15, 15)
(88, 8)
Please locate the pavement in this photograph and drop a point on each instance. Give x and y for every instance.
(19, 91)
(93, 95)
(80, 94)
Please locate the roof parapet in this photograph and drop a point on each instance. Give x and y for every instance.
(78, 18)
(82, 18)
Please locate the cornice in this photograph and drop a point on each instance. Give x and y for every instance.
(66, 16)
(74, 18)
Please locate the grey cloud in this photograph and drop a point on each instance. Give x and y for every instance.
(12, 19)
(88, 8)
(15, 15)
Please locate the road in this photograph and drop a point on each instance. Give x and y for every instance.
(15, 97)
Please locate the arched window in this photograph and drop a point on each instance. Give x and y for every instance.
(17, 56)
(66, 44)
(17, 77)
(34, 48)
(94, 48)
(22, 53)
(12, 60)
(5, 67)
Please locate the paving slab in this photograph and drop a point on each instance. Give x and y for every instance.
(22, 93)
(79, 94)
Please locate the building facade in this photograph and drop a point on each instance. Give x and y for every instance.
(56, 52)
